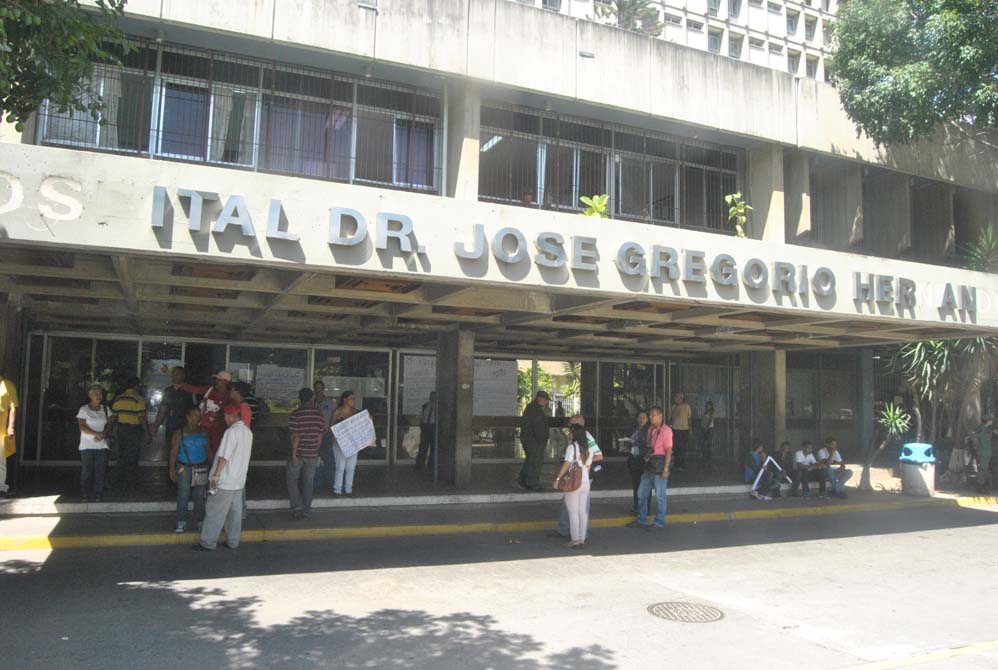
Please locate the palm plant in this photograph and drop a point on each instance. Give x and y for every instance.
(894, 422)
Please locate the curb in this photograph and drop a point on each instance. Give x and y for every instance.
(33, 542)
(47, 506)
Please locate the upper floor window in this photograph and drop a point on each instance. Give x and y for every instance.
(811, 67)
(809, 28)
(535, 159)
(775, 7)
(694, 25)
(216, 108)
(792, 19)
(673, 19)
(714, 41)
(793, 62)
(755, 3)
(553, 5)
(827, 33)
(734, 8)
(713, 7)
(735, 46)
(756, 43)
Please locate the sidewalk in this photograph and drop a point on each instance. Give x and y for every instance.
(124, 530)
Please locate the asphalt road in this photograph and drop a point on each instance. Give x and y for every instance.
(864, 590)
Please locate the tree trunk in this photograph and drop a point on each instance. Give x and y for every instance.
(936, 418)
(916, 409)
(864, 480)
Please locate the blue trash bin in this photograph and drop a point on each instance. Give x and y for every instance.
(918, 469)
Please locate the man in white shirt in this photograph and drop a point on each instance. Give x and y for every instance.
(835, 468)
(564, 529)
(807, 469)
(227, 480)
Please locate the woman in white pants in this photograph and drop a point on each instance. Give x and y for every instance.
(345, 467)
(576, 501)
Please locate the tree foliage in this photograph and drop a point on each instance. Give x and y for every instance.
(595, 206)
(903, 67)
(638, 15)
(47, 51)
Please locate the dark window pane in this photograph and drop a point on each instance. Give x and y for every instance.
(592, 174)
(186, 65)
(375, 150)
(414, 163)
(632, 188)
(184, 112)
(693, 197)
(559, 173)
(664, 192)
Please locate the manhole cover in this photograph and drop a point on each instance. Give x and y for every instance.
(686, 612)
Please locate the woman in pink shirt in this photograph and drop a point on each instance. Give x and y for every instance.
(657, 462)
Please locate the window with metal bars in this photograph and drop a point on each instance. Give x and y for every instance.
(537, 159)
(193, 105)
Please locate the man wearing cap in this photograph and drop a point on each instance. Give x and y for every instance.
(129, 411)
(534, 431)
(212, 403)
(226, 482)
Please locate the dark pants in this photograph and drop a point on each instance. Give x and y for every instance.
(806, 476)
(93, 465)
(300, 478)
(127, 450)
(530, 473)
(680, 443)
(324, 473)
(635, 467)
(425, 453)
(706, 445)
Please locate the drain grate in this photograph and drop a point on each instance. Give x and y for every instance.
(686, 612)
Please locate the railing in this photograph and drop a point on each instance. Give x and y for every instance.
(210, 107)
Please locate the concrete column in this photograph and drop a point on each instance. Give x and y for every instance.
(455, 391)
(765, 193)
(763, 390)
(797, 194)
(933, 235)
(864, 415)
(464, 111)
(887, 211)
(838, 194)
(10, 336)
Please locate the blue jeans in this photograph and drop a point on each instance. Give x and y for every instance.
(838, 477)
(651, 481)
(564, 529)
(184, 494)
(93, 466)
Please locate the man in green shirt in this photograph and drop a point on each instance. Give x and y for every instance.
(982, 442)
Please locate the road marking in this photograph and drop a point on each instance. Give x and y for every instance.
(953, 652)
(29, 542)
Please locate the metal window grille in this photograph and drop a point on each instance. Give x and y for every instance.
(538, 159)
(184, 104)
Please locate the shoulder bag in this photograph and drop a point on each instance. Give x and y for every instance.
(199, 472)
(572, 481)
(654, 463)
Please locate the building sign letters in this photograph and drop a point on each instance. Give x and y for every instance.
(577, 253)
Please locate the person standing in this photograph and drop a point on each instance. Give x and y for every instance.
(306, 426)
(177, 399)
(577, 501)
(345, 467)
(535, 428)
(983, 443)
(325, 406)
(212, 419)
(657, 463)
(635, 462)
(835, 468)
(707, 432)
(596, 457)
(226, 482)
(679, 420)
(8, 414)
(237, 396)
(189, 450)
(131, 424)
(427, 431)
(93, 419)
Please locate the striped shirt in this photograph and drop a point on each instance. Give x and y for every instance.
(308, 424)
(129, 407)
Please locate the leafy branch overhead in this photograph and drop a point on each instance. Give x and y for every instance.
(638, 15)
(47, 51)
(595, 206)
(905, 67)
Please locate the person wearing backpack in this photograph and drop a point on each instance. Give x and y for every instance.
(573, 480)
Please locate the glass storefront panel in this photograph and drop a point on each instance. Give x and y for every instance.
(203, 361)
(158, 359)
(625, 389)
(114, 363)
(701, 383)
(801, 406)
(30, 393)
(503, 387)
(366, 374)
(276, 376)
(838, 391)
(70, 373)
(417, 379)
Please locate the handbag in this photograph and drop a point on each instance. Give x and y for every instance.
(572, 481)
(654, 463)
(199, 472)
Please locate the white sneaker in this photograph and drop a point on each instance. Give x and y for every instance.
(181, 527)
(754, 494)
(765, 498)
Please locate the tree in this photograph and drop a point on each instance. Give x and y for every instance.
(904, 67)
(47, 51)
(637, 15)
(595, 206)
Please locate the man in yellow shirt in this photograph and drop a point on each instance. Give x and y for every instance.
(129, 411)
(679, 421)
(8, 414)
